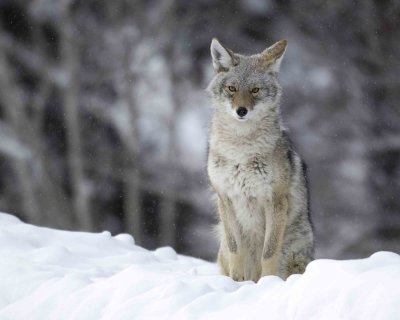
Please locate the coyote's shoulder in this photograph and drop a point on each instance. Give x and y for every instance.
(259, 180)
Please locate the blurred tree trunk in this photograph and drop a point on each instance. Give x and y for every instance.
(132, 204)
(70, 60)
(168, 202)
(50, 194)
(15, 116)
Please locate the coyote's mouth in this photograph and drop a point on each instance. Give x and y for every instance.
(241, 118)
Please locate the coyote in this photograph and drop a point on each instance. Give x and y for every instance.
(259, 180)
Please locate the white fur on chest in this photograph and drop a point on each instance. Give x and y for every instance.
(239, 179)
(247, 185)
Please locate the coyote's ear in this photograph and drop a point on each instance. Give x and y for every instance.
(222, 58)
(273, 55)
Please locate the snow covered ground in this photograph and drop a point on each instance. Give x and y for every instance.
(52, 274)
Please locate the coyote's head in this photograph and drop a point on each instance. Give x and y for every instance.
(246, 87)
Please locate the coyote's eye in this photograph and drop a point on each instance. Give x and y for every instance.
(232, 88)
(255, 90)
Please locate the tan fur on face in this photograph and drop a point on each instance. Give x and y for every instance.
(242, 98)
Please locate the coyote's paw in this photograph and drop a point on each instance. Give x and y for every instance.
(252, 272)
(236, 274)
(236, 271)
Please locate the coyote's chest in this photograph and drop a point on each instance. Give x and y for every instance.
(242, 177)
(247, 182)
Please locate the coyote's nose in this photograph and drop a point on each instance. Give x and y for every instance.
(241, 111)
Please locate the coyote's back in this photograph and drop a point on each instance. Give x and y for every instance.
(259, 180)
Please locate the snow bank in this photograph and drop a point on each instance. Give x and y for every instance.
(52, 274)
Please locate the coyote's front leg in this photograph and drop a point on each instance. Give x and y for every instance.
(275, 224)
(232, 238)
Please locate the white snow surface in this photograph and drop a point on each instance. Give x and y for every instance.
(53, 274)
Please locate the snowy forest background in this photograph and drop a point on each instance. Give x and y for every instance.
(103, 114)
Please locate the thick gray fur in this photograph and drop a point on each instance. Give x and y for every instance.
(258, 178)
